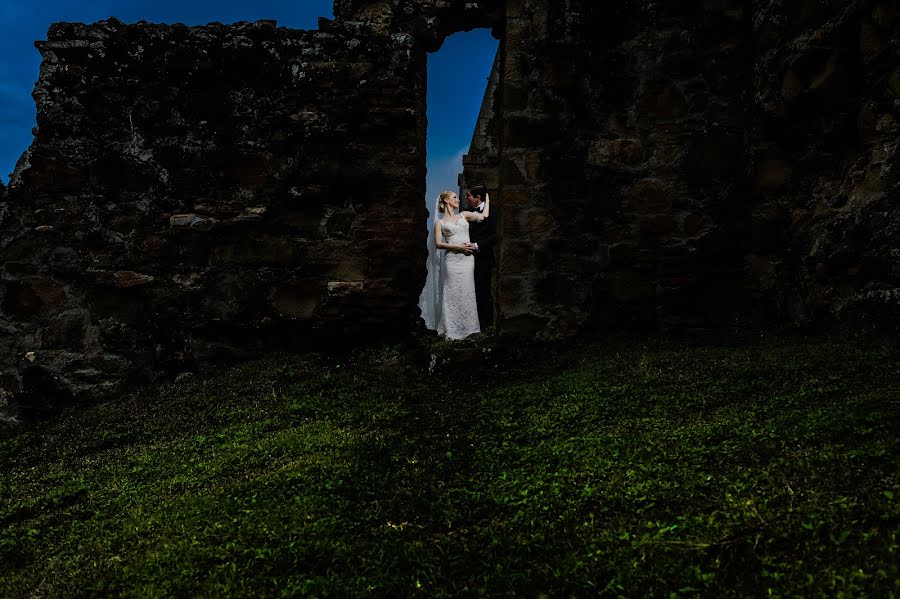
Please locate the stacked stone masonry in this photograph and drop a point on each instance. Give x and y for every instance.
(195, 195)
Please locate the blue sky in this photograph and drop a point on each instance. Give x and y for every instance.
(457, 78)
(457, 74)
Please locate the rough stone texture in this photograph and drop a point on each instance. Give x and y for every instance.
(622, 165)
(428, 21)
(196, 194)
(481, 165)
(825, 242)
(697, 166)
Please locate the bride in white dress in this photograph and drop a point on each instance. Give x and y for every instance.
(448, 300)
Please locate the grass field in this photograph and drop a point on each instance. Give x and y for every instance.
(622, 468)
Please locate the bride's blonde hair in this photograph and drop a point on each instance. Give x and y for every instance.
(442, 200)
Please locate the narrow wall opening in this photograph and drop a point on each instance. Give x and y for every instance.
(458, 83)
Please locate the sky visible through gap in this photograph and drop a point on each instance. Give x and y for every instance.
(457, 73)
(457, 79)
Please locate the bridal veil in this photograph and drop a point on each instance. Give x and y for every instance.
(430, 300)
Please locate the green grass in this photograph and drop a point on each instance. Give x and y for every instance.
(618, 469)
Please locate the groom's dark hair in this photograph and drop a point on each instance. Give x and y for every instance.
(479, 191)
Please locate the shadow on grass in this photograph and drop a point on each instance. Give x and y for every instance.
(636, 469)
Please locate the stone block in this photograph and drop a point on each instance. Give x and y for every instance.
(515, 258)
(511, 173)
(668, 157)
(660, 101)
(530, 132)
(894, 82)
(872, 41)
(29, 297)
(627, 286)
(772, 174)
(763, 270)
(345, 288)
(657, 224)
(715, 154)
(193, 222)
(65, 331)
(297, 300)
(650, 196)
(525, 326)
(515, 97)
(692, 224)
(259, 250)
(129, 278)
(616, 153)
(21, 267)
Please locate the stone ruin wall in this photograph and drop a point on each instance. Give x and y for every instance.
(825, 236)
(200, 194)
(481, 164)
(703, 167)
(621, 166)
(196, 195)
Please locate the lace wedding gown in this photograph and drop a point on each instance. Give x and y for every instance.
(459, 313)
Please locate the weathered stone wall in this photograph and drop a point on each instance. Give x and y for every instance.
(428, 21)
(481, 164)
(623, 150)
(699, 166)
(196, 194)
(205, 193)
(824, 248)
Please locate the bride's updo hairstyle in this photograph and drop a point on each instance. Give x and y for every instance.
(442, 201)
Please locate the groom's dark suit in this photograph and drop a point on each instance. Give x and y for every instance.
(484, 233)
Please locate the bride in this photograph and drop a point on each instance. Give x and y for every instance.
(448, 300)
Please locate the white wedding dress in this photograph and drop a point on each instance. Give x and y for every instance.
(459, 312)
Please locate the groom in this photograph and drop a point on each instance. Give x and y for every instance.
(484, 235)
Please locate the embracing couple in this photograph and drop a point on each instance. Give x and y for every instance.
(456, 300)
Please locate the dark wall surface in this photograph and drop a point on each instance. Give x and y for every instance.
(825, 243)
(624, 156)
(699, 166)
(200, 194)
(196, 194)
